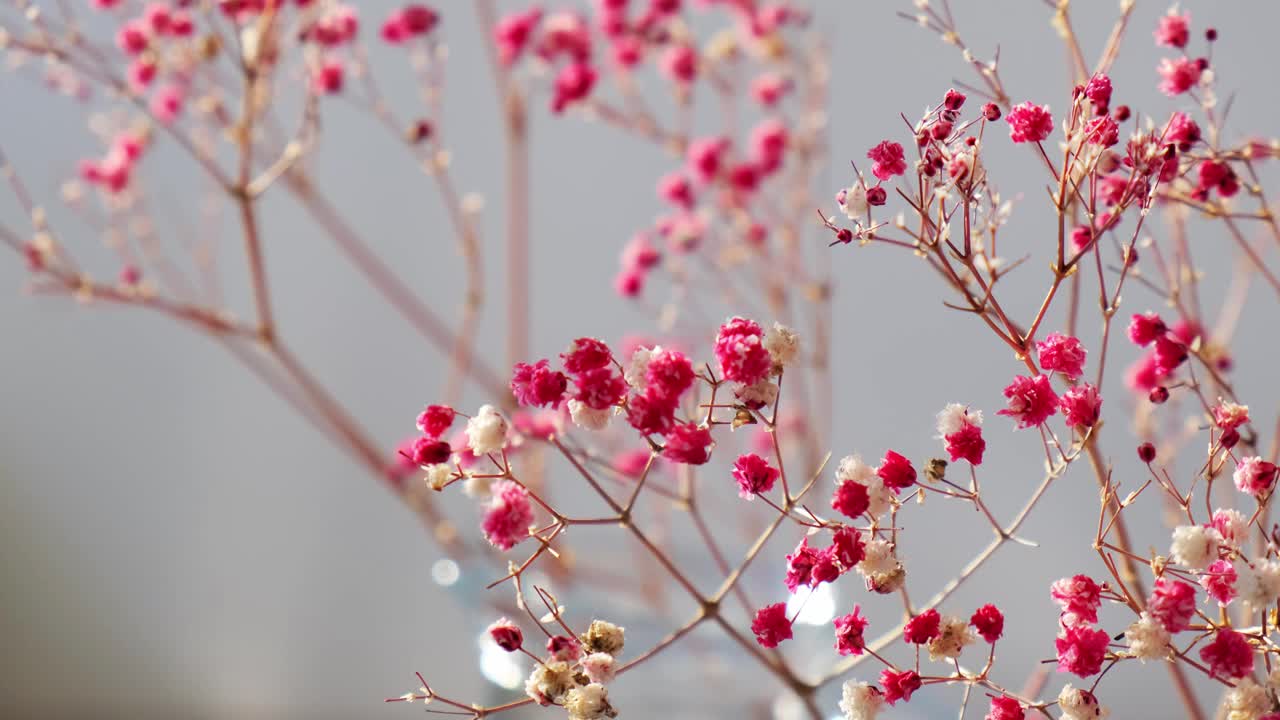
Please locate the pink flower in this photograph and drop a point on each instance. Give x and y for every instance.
(1029, 122)
(1005, 708)
(573, 84)
(689, 444)
(1081, 650)
(512, 33)
(1228, 655)
(166, 104)
(754, 475)
(705, 157)
(1169, 354)
(922, 628)
(1220, 582)
(967, 444)
(888, 160)
(1062, 353)
(1229, 415)
(599, 388)
(989, 622)
(741, 353)
(1173, 603)
(429, 451)
(669, 374)
(849, 629)
(1081, 405)
(328, 76)
(675, 188)
(509, 514)
(1144, 329)
(1173, 30)
(679, 64)
(846, 546)
(586, 354)
(538, 385)
(896, 472)
(132, 37)
(899, 685)
(1178, 75)
(800, 566)
(771, 625)
(1098, 90)
(1031, 400)
(563, 648)
(851, 499)
(1217, 175)
(651, 413)
(1102, 131)
(1079, 598)
(506, 635)
(768, 88)
(1182, 131)
(1255, 476)
(769, 141)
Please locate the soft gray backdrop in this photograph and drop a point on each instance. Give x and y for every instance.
(175, 542)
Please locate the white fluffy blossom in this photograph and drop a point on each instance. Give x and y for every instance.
(1148, 640)
(1194, 546)
(955, 416)
(1077, 704)
(953, 636)
(1258, 584)
(600, 667)
(1246, 701)
(877, 558)
(762, 393)
(587, 417)
(604, 637)
(639, 367)
(853, 201)
(588, 702)
(879, 497)
(438, 476)
(861, 701)
(852, 468)
(486, 431)
(782, 343)
(549, 682)
(476, 487)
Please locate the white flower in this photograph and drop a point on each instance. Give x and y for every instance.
(1246, 701)
(879, 497)
(852, 468)
(861, 701)
(954, 417)
(877, 558)
(853, 201)
(588, 702)
(636, 371)
(438, 476)
(604, 637)
(476, 487)
(1258, 585)
(762, 393)
(588, 418)
(1148, 640)
(600, 667)
(1079, 704)
(782, 343)
(549, 682)
(486, 431)
(1194, 547)
(954, 635)
(1233, 526)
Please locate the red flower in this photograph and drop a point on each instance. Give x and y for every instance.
(1173, 30)
(1079, 597)
(887, 159)
(1228, 655)
(430, 451)
(846, 545)
(1062, 353)
(586, 354)
(538, 385)
(967, 444)
(800, 566)
(923, 627)
(689, 444)
(989, 622)
(896, 472)
(599, 388)
(1005, 708)
(850, 499)
(506, 521)
(1081, 650)
(899, 685)
(435, 420)
(1031, 400)
(1081, 406)
(741, 353)
(1029, 122)
(506, 635)
(754, 475)
(1178, 75)
(1220, 581)
(849, 629)
(771, 625)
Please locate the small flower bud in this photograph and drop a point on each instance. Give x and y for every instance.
(1146, 452)
(1122, 113)
(991, 112)
(1229, 438)
(1159, 395)
(877, 196)
(506, 635)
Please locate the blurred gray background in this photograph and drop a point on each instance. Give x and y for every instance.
(176, 542)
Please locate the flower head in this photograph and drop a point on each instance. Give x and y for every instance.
(899, 685)
(1029, 122)
(1081, 406)
(1062, 353)
(741, 352)
(688, 443)
(509, 514)
(1255, 476)
(1228, 655)
(754, 475)
(989, 622)
(771, 625)
(1081, 650)
(888, 160)
(849, 630)
(1031, 400)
